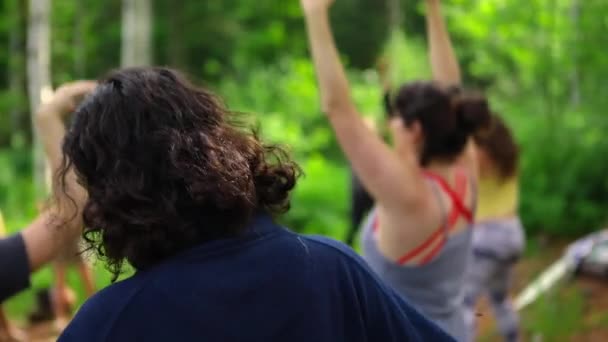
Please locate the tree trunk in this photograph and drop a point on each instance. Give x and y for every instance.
(79, 41)
(394, 14)
(136, 47)
(16, 67)
(39, 80)
(394, 69)
(175, 43)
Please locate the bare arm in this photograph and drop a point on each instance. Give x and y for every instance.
(62, 222)
(42, 242)
(377, 166)
(444, 64)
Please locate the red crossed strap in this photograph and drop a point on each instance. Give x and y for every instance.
(458, 209)
(456, 198)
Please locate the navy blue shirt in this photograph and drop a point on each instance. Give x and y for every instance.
(268, 285)
(14, 266)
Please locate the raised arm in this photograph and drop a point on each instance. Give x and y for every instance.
(61, 223)
(444, 64)
(376, 165)
(50, 119)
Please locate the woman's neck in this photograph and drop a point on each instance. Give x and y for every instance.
(441, 167)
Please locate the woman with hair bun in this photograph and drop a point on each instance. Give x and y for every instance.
(498, 238)
(418, 237)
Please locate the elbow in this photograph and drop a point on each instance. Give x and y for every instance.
(42, 118)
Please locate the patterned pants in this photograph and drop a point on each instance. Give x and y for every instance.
(496, 247)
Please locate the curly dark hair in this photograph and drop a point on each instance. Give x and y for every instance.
(166, 168)
(500, 146)
(448, 117)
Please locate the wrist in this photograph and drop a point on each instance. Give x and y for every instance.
(316, 12)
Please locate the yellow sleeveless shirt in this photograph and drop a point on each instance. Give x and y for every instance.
(497, 198)
(2, 227)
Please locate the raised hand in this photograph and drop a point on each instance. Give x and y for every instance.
(314, 6)
(67, 97)
(444, 63)
(51, 129)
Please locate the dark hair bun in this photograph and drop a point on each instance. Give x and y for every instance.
(473, 114)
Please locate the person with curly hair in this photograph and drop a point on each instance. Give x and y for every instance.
(499, 237)
(182, 194)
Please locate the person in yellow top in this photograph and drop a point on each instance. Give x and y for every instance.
(498, 236)
(2, 226)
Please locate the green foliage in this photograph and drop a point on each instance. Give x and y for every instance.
(16, 187)
(282, 101)
(539, 60)
(564, 190)
(407, 58)
(556, 316)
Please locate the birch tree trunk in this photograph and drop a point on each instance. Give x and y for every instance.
(175, 44)
(39, 79)
(16, 66)
(394, 14)
(79, 41)
(136, 49)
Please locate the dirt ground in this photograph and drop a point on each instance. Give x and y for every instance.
(595, 299)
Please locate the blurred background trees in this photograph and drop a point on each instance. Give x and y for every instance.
(542, 62)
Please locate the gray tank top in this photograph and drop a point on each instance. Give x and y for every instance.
(434, 288)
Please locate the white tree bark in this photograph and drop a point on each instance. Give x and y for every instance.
(136, 49)
(16, 58)
(394, 14)
(39, 77)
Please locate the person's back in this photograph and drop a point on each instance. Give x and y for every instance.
(179, 193)
(268, 285)
(434, 285)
